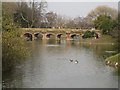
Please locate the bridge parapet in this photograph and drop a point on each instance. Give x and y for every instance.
(47, 32)
(56, 30)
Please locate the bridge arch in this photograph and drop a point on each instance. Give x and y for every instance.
(74, 36)
(59, 35)
(38, 35)
(97, 35)
(28, 36)
(50, 35)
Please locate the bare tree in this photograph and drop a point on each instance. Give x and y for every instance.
(61, 21)
(41, 11)
(103, 10)
(51, 19)
(32, 12)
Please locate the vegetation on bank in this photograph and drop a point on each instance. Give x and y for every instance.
(90, 34)
(113, 61)
(114, 58)
(13, 48)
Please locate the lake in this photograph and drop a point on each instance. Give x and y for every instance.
(49, 66)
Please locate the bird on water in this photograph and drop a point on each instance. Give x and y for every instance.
(76, 61)
(71, 60)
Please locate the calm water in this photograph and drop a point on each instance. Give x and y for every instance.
(49, 66)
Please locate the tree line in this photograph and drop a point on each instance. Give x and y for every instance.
(35, 15)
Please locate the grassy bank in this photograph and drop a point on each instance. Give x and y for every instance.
(112, 60)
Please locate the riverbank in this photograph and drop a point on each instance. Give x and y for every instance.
(104, 39)
(113, 60)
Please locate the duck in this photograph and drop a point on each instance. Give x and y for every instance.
(76, 61)
(108, 62)
(71, 60)
(116, 64)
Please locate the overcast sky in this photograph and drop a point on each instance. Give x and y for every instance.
(74, 9)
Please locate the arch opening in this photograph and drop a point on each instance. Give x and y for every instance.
(50, 36)
(75, 36)
(28, 36)
(38, 36)
(59, 36)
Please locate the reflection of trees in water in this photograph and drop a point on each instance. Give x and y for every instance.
(86, 46)
(13, 78)
(34, 46)
(99, 49)
(51, 41)
(59, 42)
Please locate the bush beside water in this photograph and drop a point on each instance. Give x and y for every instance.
(89, 34)
(13, 47)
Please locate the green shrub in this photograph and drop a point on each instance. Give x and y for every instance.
(13, 47)
(89, 34)
(13, 50)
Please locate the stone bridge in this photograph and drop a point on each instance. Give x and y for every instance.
(39, 33)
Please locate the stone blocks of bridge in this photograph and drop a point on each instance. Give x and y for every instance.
(33, 36)
(45, 34)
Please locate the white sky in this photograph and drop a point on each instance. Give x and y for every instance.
(65, 0)
(74, 9)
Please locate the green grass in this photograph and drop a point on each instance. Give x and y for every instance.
(114, 58)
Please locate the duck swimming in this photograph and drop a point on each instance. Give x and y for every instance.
(116, 64)
(76, 61)
(108, 62)
(71, 60)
